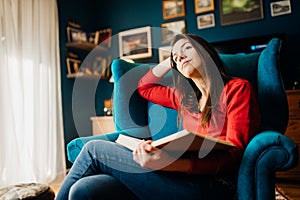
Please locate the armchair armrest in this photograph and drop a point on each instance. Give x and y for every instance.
(268, 152)
(74, 147)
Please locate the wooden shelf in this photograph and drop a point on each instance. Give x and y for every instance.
(85, 46)
(83, 75)
(82, 49)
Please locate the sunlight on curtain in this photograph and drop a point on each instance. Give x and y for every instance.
(31, 130)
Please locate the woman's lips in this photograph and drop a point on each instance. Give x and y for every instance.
(185, 62)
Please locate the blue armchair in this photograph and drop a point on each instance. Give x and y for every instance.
(268, 152)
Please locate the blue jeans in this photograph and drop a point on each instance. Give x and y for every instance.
(106, 170)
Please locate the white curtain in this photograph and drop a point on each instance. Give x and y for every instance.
(31, 130)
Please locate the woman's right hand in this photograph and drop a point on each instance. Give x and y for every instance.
(150, 157)
(162, 68)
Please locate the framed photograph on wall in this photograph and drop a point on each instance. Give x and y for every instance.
(164, 53)
(103, 37)
(76, 35)
(206, 21)
(73, 66)
(233, 13)
(135, 43)
(202, 6)
(99, 66)
(170, 29)
(173, 8)
(280, 8)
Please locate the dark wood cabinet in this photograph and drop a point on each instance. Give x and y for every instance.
(293, 131)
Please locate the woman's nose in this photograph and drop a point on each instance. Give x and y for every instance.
(181, 56)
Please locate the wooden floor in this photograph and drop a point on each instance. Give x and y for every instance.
(290, 189)
(55, 188)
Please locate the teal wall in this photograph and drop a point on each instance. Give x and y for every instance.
(122, 15)
(85, 13)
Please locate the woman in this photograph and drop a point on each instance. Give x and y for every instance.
(209, 101)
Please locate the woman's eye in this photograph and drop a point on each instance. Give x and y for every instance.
(188, 47)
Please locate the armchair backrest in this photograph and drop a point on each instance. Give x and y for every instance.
(262, 70)
(132, 112)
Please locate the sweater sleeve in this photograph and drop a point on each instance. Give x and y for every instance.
(150, 89)
(242, 124)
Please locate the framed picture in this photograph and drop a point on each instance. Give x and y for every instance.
(103, 37)
(164, 53)
(232, 13)
(173, 8)
(280, 8)
(76, 35)
(100, 65)
(206, 21)
(135, 43)
(73, 66)
(92, 37)
(170, 29)
(202, 6)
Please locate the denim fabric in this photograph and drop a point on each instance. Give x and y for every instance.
(106, 170)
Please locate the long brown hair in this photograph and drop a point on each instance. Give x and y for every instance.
(209, 58)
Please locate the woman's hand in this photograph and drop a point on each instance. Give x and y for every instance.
(150, 157)
(162, 68)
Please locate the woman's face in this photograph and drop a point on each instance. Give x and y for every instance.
(187, 60)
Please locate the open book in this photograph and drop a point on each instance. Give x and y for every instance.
(180, 141)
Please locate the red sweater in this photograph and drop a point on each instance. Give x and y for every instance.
(237, 110)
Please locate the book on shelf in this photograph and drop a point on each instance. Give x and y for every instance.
(180, 141)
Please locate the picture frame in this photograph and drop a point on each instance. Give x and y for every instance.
(231, 14)
(164, 52)
(280, 8)
(76, 35)
(173, 8)
(73, 66)
(103, 37)
(100, 65)
(206, 21)
(170, 29)
(202, 6)
(135, 43)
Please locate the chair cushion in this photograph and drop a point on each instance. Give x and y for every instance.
(162, 121)
(125, 96)
(242, 65)
(136, 111)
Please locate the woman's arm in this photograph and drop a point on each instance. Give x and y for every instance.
(149, 86)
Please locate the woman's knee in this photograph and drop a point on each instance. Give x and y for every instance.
(93, 143)
(96, 145)
(78, 190)
(102, 185)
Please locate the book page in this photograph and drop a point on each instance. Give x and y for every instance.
(128, 141)
(180, 141)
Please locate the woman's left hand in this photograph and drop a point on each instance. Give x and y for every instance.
(150, 157)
